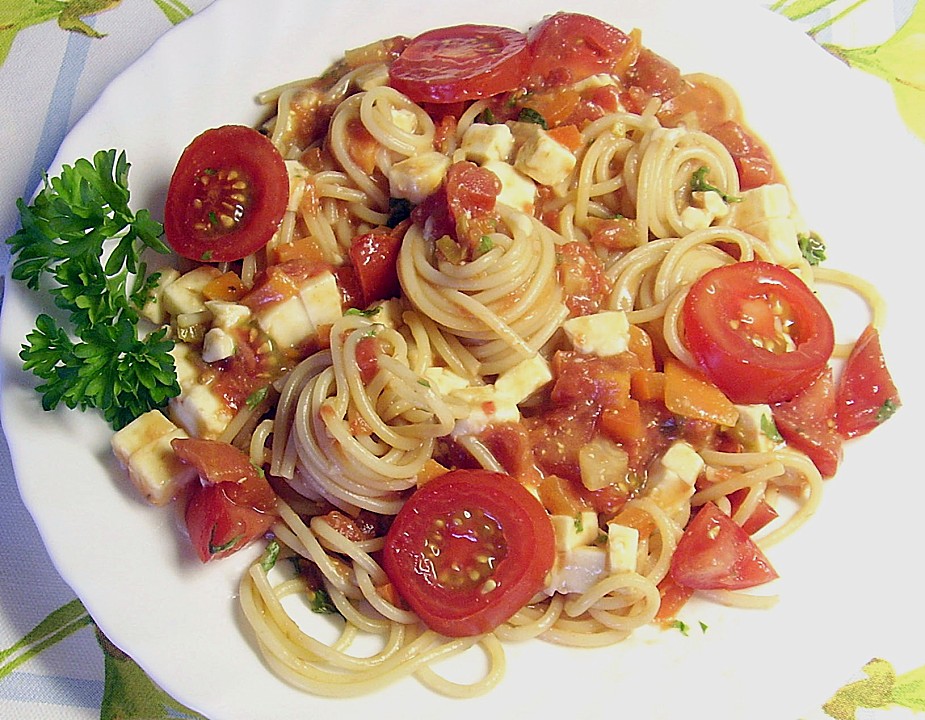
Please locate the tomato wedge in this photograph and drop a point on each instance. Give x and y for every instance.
(757, 330)
(568, 47)
(807, 422)
(374, 257)
(227, 195)
(866, 393)
(716, 554)
(463, 62)
(468, 550)
(233, 506)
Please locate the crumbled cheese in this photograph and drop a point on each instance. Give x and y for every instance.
(544, 159)
(749, 428)
(485, 143)
(604, 334)
(416, 177)
(217, 345)
(622, 547)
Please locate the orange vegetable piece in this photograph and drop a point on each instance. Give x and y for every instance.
(227, 286)
(688, 393)
(567, 135)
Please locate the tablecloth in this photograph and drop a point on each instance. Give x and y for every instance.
(56, 56)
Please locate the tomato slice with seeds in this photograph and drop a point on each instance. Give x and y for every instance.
(757, 330)
(227, 195)
(463, 62)
(867, 395)
(468, 550)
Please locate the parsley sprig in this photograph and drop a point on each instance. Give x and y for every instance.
(101, 360)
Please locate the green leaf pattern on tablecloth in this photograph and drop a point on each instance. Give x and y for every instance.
(129, 694)
(17, 15)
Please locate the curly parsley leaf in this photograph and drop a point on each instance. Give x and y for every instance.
(101, 361)
(812, 247)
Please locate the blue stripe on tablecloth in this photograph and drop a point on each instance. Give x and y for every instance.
(58, 116)
(52, 690)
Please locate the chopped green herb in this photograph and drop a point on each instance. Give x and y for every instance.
(320, 602)
(703, 626)
(812, 247)
(579, 523)
(216, 549)
(485, 244)
(270, 555)
(699, 184)
(100, 361)
(887, 410)
(424, 382)
(206, 256)
(486, 117)
(532, 116)
(769, 428)
(257, 397)
(367, 313)
(682, 626)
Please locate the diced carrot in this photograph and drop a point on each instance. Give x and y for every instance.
(641, 346)
(554, 106)
(430, 470)
(559, 496)
(623, 424)
(647, 385)
(303, 248)
(227, 286)
(633, 517)
(567, 135)
(690, 394)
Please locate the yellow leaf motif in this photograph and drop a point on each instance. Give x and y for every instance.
(880, 690)
(901, 62)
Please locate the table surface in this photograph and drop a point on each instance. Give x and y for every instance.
(51, 71)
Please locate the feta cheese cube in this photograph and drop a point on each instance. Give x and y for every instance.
(404, 119)
(200, 412)
(227, 315)
(544, 159)
(576, 571)
(604, 334)
(418, 176)
(153, 308)
(486, 407)
(622, 548)
(525, 378)
(760, 203)
(184, 295)
(287, 322)
(445, 381)
(483, 143)
(322, 299)
(671, 478)
(602, 463)
(142, 431)
(186, 365)
(571, 531)
(750, 428)
(517, 190)
(217, 345)
(781, 237)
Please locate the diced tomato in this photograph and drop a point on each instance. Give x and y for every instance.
(468, 550)
(366, 357)
(762, 515)
(866, 393)
(716, 554)
(581, 275)
(807, 422)
(655, 76)
(557, 435)
(374, 257)
(464, 62)
(757, 330)
(279, 283)
(591, 380)
(233, 506)
(752, 159)
(674, 596)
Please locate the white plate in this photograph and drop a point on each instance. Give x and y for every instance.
(843, 594)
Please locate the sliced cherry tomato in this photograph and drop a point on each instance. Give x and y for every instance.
(752, 159)
(568, 47)
(233, 506)
(866, 393)
(807, 422)
(468, 550)
(757, 330)
(716, 554)
(227, 195)
(374, 257)
(463, 62)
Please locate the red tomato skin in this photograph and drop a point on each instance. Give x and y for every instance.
(462, 62)
(807, 422)
(746, 373)
(228, 147)
(568, 47)
(374, 257)
(521, 572)
(752, 159)
(865, 388)
(716, 554)
(233, 506)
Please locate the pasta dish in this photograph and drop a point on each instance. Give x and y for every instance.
(492, 336)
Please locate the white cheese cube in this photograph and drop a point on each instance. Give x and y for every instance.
(404, 119)
(576, 571)
(184, 295)
(157, 472)
(322, 299)
(694, 218)
(517, 190)
(153, 308)
(671, 478)
(710, 201)
(186, 364)
(486, 407)
(287, 322)
(760, 203)
(780, 235)
(444, 381)
(227, 315)
(544, 159)
(573, 531)
(750, 428)
(142, 431)
(201, 412)
(485, 143)
(604, 334)
(683, 461)
(217, 345)
(418, 176)
(622, 548)
(525, 378)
